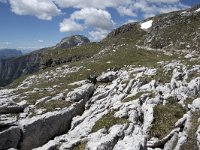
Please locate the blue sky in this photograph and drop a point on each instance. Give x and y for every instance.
(33, 24)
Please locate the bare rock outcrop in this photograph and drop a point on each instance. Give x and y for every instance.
(40, 129)
(81, 92)
(11, 109)
(71, 41)
(10, 137)
(108, 77)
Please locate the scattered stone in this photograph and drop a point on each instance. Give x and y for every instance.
(107, 77)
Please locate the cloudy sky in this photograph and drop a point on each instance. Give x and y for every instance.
(32, 24)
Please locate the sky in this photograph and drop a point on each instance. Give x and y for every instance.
(34, 24)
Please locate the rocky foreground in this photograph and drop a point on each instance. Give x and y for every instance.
(119, 112)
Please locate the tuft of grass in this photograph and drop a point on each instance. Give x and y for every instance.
(17, 100)
(193, 75)
(188, 101)
(192, 139)
(132, 98)
(108, 121)
(32, 98)
(161, 76)
(52, 105)
(79, 146)
(165, 117)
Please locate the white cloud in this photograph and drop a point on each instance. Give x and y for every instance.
(46, 9)
(40, 41)
(42, 9)
(126, 11)
(124, 7)
(91, 3)
(98, 35)
(70, 26)
(164, 1)
(145, 7)
(154, 7)
(92, 18)
(96, 18)
(170, 8)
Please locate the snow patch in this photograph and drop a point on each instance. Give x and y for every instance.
(146, 25)
(198, 10)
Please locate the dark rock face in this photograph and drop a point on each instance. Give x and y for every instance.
(10, 137)
(7, 53)
(11, 109)
(11, 69)
(72, 41)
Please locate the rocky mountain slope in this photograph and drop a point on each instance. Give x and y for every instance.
(75, 40)
(176, 30)
(13, 68)
(7, 53)
(119, 94)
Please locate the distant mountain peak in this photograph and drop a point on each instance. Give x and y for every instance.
(71, 41)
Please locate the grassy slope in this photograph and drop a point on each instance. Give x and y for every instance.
(108, 121)
(191, 139)
(165, 117)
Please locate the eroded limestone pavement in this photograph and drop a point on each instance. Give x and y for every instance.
(130, 94)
